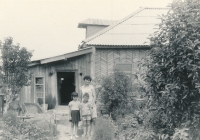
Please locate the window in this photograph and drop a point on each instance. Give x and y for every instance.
(39, 88)
(127, 69)
(124, 67)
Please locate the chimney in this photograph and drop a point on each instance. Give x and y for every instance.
(93, 26)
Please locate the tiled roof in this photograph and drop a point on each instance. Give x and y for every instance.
(130, 31)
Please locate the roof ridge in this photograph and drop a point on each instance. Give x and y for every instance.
(96, 19)
(119, 22)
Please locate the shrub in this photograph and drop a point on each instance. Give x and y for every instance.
(103, 130)
(51, 101)
(47, 129)
(130, 128)
(17, 129)
(173, 69)
(40, 101)
(181, 134)
(10, 117)
(188, 131)
(115, 90)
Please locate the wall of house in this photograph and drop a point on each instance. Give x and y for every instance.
(79, 64)
(93, 29)
(105, 59)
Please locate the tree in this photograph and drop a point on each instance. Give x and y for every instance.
(174, 66)
(14, 69)
(115, 90)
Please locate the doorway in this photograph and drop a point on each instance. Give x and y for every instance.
(66, 85)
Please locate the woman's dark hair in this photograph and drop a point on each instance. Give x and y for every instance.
(87, 77)
(74, 94)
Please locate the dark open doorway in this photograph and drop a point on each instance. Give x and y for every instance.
(66, 85)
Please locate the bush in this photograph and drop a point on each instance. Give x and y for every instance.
(174, 66)
(10, 117)
(115, 90)
(14, 128)
(188, 131)
(51, 101)
(40, 101)
(48, 129)
(103, 130)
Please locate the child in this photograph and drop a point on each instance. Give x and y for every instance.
(86, 114)
(74, 114)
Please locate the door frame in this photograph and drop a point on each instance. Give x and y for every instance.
(75, 79)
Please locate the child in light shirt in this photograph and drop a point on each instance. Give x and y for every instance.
(86, 109)
(74, 114)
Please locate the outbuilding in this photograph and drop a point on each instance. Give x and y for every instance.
(108, 45)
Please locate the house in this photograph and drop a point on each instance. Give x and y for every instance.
(108, 45)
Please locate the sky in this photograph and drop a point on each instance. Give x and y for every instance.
(50, 27)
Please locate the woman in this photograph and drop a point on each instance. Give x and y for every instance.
(87, 88)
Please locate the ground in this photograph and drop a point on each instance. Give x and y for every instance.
(63, 127)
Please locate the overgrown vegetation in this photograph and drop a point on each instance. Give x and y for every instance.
(15, 65)
(115, 90)
(50, 100)
(170, 81)
(173, 71)
(119, 92)
(103, 130)
(14, 128)
(14, 70)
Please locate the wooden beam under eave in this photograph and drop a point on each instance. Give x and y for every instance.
(66, 56)
(77, 53)
(53, 59)
(33, 64)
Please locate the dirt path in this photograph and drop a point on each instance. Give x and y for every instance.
(64, 133)
(63, 127)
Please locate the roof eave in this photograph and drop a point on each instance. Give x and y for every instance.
(122, 46)
(61, 57)
(84, 25)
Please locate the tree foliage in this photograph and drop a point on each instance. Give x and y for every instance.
(14, 69)
(115, 90)
(174, 66)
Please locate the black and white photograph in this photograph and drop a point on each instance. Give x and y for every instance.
(99, 70)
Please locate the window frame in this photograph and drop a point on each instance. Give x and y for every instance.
(124, 64)
(35, 93)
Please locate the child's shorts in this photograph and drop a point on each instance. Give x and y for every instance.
(86, 118)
